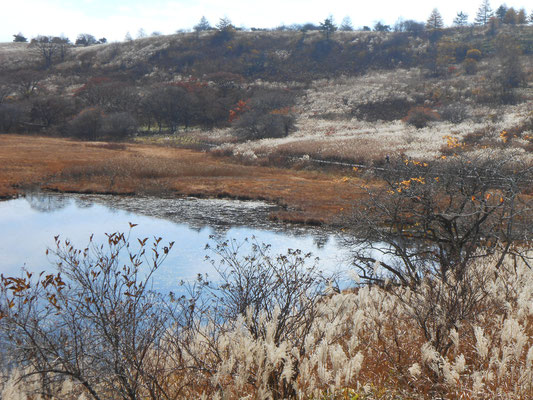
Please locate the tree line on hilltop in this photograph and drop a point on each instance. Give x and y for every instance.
(485, 15)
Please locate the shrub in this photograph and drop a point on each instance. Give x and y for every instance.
(460, 51)
(222, 36)
(271, 302)
(478, 136)
(86, 125)
(474, 54)
(119, 125)
(455, 112)
(10, 116)
(386, 110)
(470, 66)
(421, 116)
(94, 322)
(268, 114)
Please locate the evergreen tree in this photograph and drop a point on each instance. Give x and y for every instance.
(521, 18)
(141, 33)
(484, 13)
(461, 19)
(328, 27)
(379, 27)
(493, 25)
(501, 11)
(19, 38)
(510, 17)
(435, 20)
(202, 25)
(224, 24)
(346, 24)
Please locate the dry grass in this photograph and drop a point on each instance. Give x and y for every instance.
(328, 128)
(367, 344)
(73, 166)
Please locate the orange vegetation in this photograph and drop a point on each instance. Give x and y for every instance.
(98, 167)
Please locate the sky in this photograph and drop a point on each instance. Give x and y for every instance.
(112, 19)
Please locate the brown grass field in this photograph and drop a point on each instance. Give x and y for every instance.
(98, 167)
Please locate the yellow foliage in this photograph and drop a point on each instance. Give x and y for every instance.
(453, 142)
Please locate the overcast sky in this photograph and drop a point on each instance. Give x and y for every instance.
(114, 18)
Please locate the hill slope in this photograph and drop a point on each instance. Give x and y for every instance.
(354, 96)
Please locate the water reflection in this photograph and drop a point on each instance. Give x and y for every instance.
(47, 204)
(320, 240)
(29, 225)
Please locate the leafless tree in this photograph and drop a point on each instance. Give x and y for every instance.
(430, 226)
(6, 89)
(50, 48)
(434, 219)
(26, 82)
(109, 95)
(11, 115)
(52, 109)
(267, 114)
(85, 39)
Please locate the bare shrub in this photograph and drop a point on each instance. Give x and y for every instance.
(10, 116)
(95, 321)
(268, 114)
(86, 125)
(385, 110)
(275, 300)
(455, 112)
(119, 125)
(421, 116)
(435, 219)
(478, 136)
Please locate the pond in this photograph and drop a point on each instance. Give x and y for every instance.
(30, 223)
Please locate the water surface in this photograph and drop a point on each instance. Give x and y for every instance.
(29, 225)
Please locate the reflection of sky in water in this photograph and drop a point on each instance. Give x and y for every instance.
(30, 224)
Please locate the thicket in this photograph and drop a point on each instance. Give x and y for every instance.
(441, 253)
(268, 113)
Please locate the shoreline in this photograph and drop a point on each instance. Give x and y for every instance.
(70, 166)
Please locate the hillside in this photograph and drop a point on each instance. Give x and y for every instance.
(280, 95)
(414, 147)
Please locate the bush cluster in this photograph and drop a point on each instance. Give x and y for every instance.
(420, 116)
(267, 114)
(93, 124)
(271, 327)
